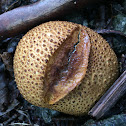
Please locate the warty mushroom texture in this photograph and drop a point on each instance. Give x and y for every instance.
(64, 66)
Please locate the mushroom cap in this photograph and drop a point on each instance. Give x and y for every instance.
(33, 55)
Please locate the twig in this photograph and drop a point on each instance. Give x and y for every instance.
(21, 124)
(10, 108)
(109, 98)
(107, 31)
(9, 120)
(23, 18)
(12, 5)
(26, 115)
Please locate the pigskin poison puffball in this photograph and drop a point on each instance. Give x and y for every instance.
(64, 66)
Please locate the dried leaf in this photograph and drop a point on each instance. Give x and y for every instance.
(8, 61)
(62, 79)
(3, 91)
(13, 91)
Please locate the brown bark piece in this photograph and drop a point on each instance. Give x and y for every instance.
(109, 98)
(23, 18)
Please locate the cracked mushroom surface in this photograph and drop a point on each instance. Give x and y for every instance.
(64, 66)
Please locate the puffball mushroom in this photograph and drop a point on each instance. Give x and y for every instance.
(64, 66)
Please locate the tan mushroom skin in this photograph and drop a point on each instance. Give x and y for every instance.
(64, 66)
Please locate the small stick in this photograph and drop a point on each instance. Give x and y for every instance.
(107, 31)
(10, 108)
(9, 120)
(24, 18)
(109, 98)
